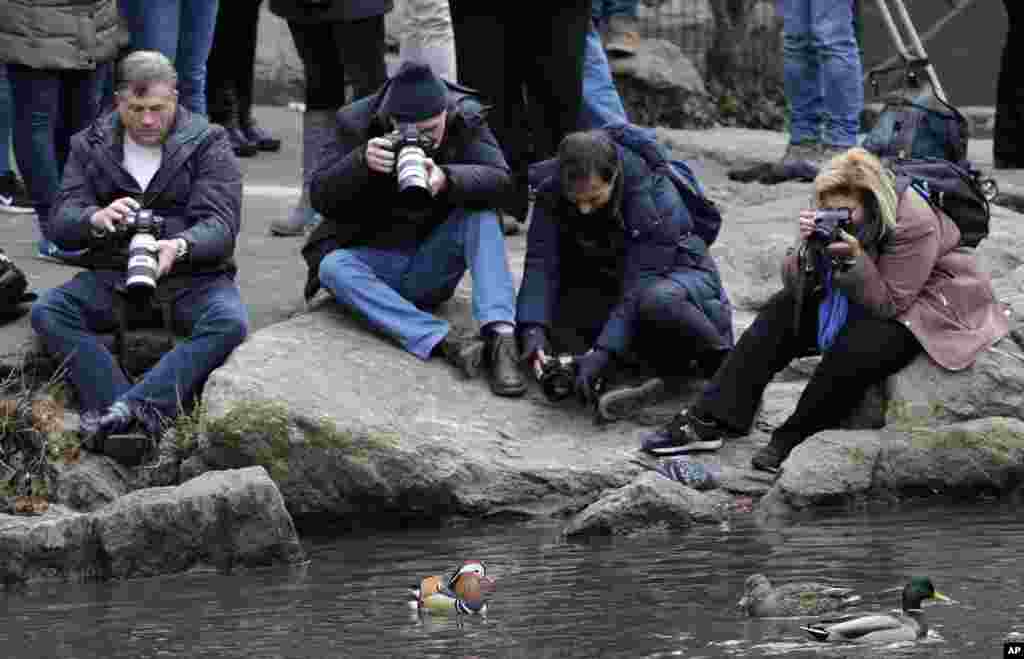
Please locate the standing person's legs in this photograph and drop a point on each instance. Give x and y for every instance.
(601, 104)
(429, 37)
(81, 93)
(801, 72)
(36, 95)
(225, 72)
(1008, 141)
(6, 121)
(195, 35)
(360, 46)
(153, 24)
(248, 13)
(833, 38)
(866, 351)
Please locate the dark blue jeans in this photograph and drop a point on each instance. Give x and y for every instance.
(183, 31)
(210, 312)
(6, 121)
(49, 107)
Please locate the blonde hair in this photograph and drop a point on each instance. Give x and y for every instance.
(858, 171)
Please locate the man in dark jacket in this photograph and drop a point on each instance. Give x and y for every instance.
(613, 266)
(150, 154)
(388, 254)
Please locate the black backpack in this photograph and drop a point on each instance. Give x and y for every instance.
(707, 219)
(915, 122)
(13, 285)
(956, 189)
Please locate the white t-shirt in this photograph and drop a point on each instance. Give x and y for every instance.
(142, 161)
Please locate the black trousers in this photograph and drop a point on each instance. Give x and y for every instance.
(335, 52)
(1008, 140)
(229, 66)
(866, 351)
(526, 60)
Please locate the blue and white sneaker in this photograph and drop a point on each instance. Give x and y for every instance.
(683, 434)
(14, 198)
(46, 250)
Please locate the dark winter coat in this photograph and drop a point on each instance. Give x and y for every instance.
(197, 190)
(329, 11)
(646, 234)
(358, 204)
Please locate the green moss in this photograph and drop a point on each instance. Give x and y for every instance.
(40, 488)
(856, 454)
(188, 426)
(58, 442)
(997, 437)
(324, 434)
(7, 489)
(260, 419)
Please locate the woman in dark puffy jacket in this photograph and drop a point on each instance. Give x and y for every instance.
(615, 270)
(57, 56)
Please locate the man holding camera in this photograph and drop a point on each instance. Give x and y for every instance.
(153, 176)
(407, 192)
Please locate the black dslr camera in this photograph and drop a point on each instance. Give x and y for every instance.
(557, 376)
(145, 229)
(828, 222)
(412, 147)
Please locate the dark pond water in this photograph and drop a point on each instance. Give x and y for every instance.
(665, 596)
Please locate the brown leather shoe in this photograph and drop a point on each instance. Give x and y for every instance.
(623, 36)
(503, 359)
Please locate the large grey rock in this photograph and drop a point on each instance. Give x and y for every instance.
(660, 86)
(652, 501)
(225, 520)
(690, 22)
(838, 467)
(90, 483)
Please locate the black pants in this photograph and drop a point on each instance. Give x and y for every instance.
(515, 53)
(672, 332)
(335, 52)
(229, 67)
(1008, 145)
(867, 350)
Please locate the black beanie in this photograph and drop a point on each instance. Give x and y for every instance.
(415, 93)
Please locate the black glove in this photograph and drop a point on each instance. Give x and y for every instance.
(531, 339)
(588, 372)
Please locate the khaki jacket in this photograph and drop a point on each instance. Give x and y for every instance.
(922, 278)
(58, 34)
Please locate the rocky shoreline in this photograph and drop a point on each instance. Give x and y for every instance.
(316, 420)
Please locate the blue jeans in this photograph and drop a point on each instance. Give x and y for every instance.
(183, 31)
(390, 287)
(210, 312)
(822, 71)
(601, 104)
(49, 107)
(602, 10)
(6, 121)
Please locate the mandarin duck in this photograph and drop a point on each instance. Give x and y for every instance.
(462, 592)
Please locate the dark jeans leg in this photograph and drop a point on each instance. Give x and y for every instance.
(360, 44)
(1008, 144)
(866, 351)
(212, 315)
(68, 318)
(734, 394)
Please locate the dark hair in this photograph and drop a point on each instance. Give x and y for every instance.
(585, 154)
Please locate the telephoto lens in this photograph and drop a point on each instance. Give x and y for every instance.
(411, 168)
(143, 263)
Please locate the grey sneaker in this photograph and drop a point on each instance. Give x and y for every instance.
(625, 401)
(806, 151)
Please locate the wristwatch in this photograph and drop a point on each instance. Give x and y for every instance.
(182, 250)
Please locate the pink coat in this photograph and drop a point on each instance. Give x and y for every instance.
(922, 279)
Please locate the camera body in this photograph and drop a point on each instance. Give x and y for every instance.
(828, 222)
(145, 230)
(557, 376)
(412, 147)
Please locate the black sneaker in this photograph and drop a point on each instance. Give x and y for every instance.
(14, 198)
(623, 402)
(683, 434)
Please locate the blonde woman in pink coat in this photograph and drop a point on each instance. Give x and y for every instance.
(893, 284)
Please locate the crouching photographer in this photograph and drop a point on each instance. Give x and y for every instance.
(155, 192)
(615, 278)
(877, 277)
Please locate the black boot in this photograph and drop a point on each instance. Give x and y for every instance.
(227, 115)
(263, 140)
(463, 352)
(503, 359)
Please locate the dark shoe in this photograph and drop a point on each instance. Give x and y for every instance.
(771, 456)
(263, 140)
(708, 363)
(503, 359)
(240, 144)
(623, 402)
(47, 250)
(465, 353)
(683, 434)
(14, 198)
(120, 433)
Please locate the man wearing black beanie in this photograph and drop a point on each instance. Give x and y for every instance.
(408, 191)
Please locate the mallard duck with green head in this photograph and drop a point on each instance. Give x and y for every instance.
(808, 598)
(908, 624)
